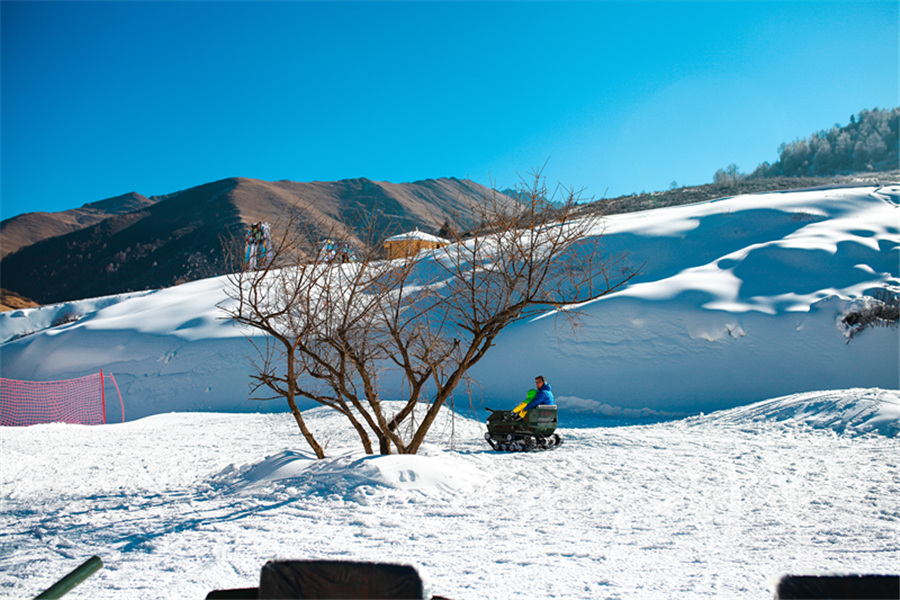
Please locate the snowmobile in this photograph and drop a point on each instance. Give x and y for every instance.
(508, 432)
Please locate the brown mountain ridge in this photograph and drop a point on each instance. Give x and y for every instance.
(29, 228)
(132, 243)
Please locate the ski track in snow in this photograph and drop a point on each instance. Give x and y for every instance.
(715, 506)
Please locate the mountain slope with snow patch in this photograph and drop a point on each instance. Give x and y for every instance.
(739, 300)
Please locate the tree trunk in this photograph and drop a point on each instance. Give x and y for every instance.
(361, 431)
(291, 382)
(310, 439)
(384, 444)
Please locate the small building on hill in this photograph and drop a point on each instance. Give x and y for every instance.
(407, 244)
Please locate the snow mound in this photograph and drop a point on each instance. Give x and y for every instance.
(355, 475)
(852, 412)
(445, 464)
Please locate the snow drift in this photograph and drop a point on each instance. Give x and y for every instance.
(739, 300)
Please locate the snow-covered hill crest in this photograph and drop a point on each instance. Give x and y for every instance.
(846, 412)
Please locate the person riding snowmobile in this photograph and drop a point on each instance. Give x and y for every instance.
(542, 395)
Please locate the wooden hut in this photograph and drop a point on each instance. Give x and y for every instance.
(407, 244)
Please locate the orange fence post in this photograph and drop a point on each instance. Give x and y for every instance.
(121, 404)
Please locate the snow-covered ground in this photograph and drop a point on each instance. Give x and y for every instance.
(734, 469)
(712, 506)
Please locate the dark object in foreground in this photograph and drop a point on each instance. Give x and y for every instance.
(860, 587)
(331, 579)
(79, 574)
(508, 433)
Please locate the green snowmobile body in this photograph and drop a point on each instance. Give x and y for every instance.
(507, 432)
(540, 420)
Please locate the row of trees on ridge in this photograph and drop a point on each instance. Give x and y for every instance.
(870, 142)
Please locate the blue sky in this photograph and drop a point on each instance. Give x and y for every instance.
(99, 99)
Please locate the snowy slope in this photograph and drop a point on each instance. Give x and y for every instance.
(168, 349)
(713, 506)
(738, 301)
(850, 413)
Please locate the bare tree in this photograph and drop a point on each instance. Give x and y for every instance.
(332, 330)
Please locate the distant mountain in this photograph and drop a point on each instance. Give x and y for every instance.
(29, 228)
(175, 238)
